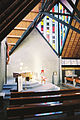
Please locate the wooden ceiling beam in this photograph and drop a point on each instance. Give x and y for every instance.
(15, 17)
(69, 40)
(27, 20)
(33, 24)
(76, 18)
(74, 7)
(11, 44)
(6, 7)
(13, 36)
(62, 22)
(34, 11)
(16, 11)
(56, 13)
(20, 28)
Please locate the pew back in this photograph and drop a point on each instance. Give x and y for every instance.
(32, 93)
(43, 99)
(35, 109)
(36, 103)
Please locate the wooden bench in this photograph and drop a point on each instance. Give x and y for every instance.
(69, 78)
(67, 101)
(33, 110)
(43, 99)
(31, 93)
(1, 103)
(73, 80)
(77, 80)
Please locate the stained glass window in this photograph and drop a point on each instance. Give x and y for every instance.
(49, 27)
(62, 28)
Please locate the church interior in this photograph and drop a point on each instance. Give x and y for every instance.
(40, 59)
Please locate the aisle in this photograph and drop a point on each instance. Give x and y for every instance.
(44, 87)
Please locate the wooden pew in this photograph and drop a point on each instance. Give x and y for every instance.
(30, 110)
(77, 80)
(69, 78)
(67, 101)
(43, 99)
(1, 103)
(31, 93)
(74, 80)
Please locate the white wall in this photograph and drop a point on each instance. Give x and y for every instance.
(0, 70)
(3, 59)
(2, 63)
(35, 54)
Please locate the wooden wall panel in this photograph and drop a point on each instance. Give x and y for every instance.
(31, 15)
(10, 47)
(72, 42)
(70, 68)
(17, 32)
(12, 40)
(72, 45)
(23, 24)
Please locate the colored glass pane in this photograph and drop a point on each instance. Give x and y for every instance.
(62, 28)
(49, 27)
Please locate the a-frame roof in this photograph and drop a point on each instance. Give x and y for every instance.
(71, 46)
(12, 12)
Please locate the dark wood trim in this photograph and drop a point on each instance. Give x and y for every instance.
(16, 16)
(68, 107)
(70, 58)
(28, 94)
(41, 99)
(71, 66)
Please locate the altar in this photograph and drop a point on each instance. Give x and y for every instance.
(22, 77)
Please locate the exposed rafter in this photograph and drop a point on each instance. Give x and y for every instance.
(62, 22)
(46, 6)
(29, 29)
(56, 13)
(74, 7)
(13, 36)
(76, 18)
(64, 6)
(63, 14)
(15, 15)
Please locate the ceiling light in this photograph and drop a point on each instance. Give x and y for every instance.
(21, 63)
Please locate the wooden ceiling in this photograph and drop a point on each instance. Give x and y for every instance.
(72, 45)
(17, 32)
(15, 10)
(20, 29)
(12, 12)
